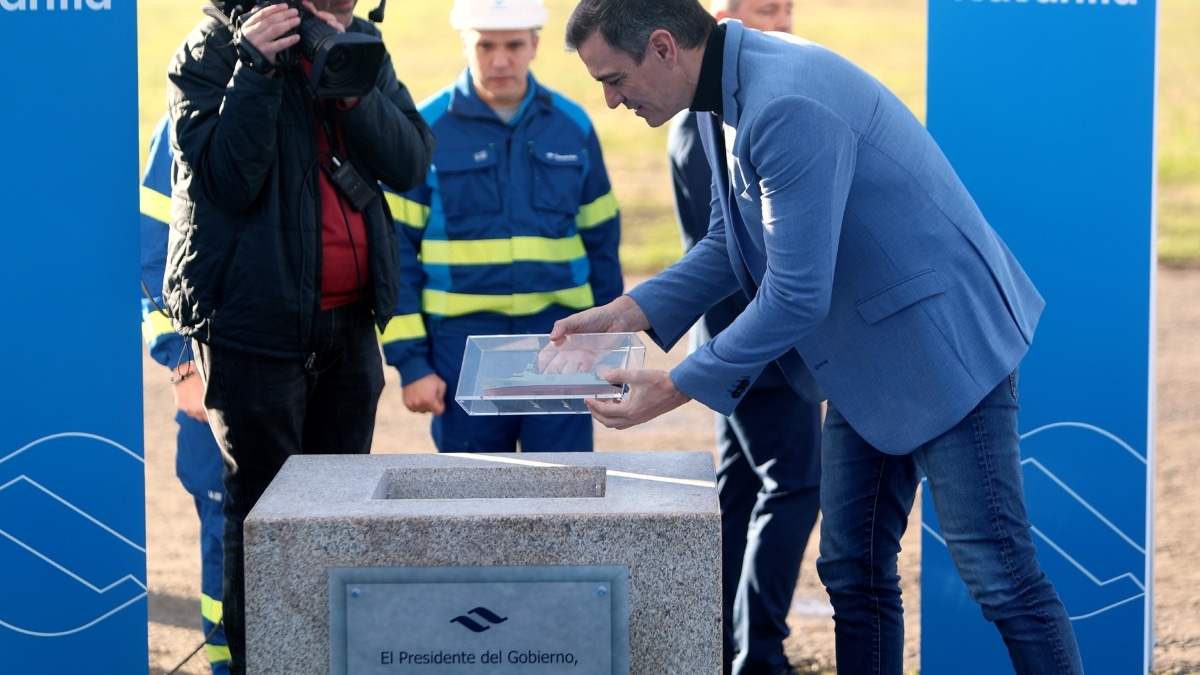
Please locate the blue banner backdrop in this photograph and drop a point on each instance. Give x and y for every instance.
(72, 509)
(1046, 109)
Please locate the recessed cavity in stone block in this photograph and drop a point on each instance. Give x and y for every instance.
(492, 482)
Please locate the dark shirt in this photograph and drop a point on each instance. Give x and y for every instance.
(708, 87)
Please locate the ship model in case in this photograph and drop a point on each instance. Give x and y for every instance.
(501, 376)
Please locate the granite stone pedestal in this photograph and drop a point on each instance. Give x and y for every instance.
(653, 513)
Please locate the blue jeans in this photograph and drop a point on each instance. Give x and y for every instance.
(975, 481)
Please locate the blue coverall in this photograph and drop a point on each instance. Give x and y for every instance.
(198, 462)
(515, 227)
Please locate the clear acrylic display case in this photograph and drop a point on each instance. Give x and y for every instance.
(527, 375)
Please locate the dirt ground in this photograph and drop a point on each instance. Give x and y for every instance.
(174, 562)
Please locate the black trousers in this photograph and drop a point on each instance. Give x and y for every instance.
(264, 410)
(768, 482)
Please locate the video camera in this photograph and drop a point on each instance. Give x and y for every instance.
(343, 64)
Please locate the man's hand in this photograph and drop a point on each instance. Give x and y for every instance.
(269, 30)
(619, 316)
(189, 393)
(651, 393)
(579, 353)
(327, 17)
(426, 395)
(564, 355)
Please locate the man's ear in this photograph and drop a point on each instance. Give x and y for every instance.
(662, 44)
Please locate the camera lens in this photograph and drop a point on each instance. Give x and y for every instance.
(342, 65)
(313, 33)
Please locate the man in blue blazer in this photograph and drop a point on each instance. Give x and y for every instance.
(876, 282)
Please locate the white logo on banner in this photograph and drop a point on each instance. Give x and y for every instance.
(1049, 2)
(53, 5)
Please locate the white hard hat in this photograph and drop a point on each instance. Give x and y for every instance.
(497, 14)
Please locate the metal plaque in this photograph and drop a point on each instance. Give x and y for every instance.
(479, 620)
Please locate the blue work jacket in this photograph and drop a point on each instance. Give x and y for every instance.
(514, 219)
(166, 346)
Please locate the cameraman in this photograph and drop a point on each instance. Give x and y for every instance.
(270, 267)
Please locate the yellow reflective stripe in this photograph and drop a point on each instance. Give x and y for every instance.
(599, 211)
(155, 325)
(501, 251)
(211, 608)
(518, 304)
(404, 327)
(217, 653)
(407, 211)
(156, 205)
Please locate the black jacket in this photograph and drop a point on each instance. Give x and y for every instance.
(244, 253)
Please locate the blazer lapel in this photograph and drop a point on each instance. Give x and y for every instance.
(743, 252)
(712, 137)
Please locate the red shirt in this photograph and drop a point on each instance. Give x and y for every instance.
(344, 260)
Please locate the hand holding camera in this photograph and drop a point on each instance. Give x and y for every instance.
(266, 34)
(344, 65)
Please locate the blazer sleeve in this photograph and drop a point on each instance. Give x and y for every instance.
(804, 185)
(677, 297)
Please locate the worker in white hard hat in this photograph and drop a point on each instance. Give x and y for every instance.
(515, 228)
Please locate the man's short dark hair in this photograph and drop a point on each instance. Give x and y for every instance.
(626, 25)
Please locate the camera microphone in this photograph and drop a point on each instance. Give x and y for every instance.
(376, 15)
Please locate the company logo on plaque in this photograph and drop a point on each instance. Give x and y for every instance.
(483, 613)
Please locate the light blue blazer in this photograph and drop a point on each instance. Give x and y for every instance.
(864, 254)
